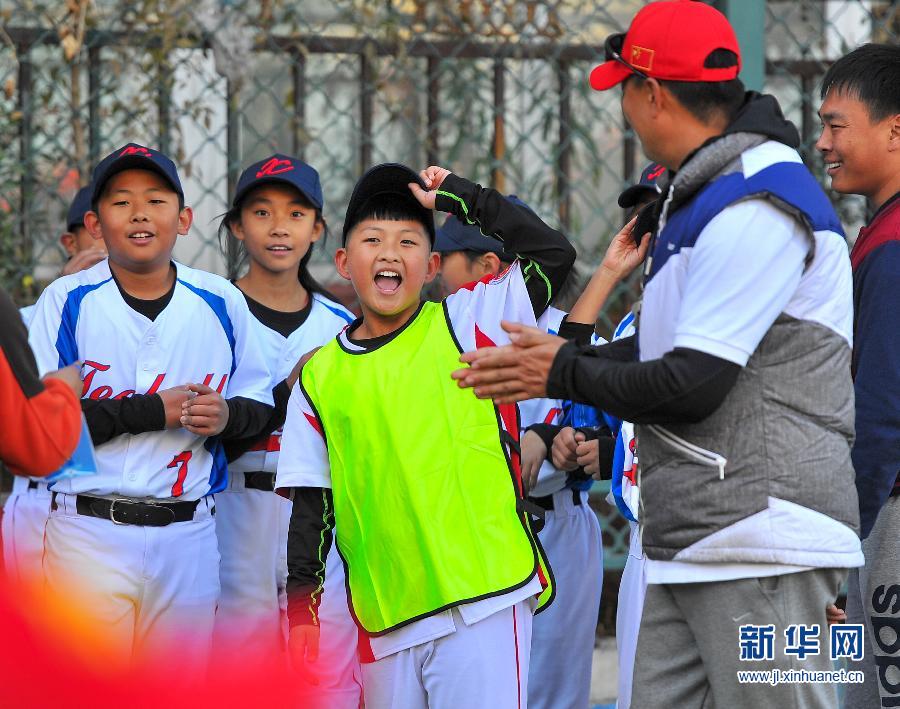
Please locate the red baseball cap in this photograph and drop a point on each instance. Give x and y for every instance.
(668, 40)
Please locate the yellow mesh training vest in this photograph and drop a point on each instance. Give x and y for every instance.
(424, 498)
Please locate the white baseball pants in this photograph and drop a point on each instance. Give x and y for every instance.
(150, 592)
(24, 518)
(632, 590)
(252, 528)
(481, 665)
(562, 641)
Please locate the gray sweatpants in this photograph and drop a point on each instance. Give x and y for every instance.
(688, 652)
(873, 598)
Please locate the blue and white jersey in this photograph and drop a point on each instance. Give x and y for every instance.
(624, 488)
(27, 313)
(325, 320)
(701, 276)
(204, 335)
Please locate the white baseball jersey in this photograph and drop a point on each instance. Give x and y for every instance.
(27, 313)
(561, 640)
(325, 320)
(252, 529)
(533, 411)
(204, 335)
(624, 492)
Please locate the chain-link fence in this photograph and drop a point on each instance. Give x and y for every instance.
(495, 90)
(801, 41)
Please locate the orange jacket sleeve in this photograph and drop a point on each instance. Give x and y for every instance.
(43, 418)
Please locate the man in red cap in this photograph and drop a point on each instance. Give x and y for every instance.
(738, 381)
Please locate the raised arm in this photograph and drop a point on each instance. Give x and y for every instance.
(545, 255)
(622, 256)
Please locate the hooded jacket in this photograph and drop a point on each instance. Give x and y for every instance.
(767, 477)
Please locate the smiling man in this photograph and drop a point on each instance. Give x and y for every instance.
(860, 144)
(738, 377)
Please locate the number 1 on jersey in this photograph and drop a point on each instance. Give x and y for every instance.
(181, 462)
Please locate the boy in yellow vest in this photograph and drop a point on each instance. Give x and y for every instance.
(421, 479)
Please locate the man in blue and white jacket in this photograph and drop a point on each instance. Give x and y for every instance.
(741, 393)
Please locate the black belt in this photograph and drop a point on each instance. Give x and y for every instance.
(260, 481)
(546, 502)
(125, 511)
(34, 484)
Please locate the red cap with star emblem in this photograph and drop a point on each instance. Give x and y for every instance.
(669, 40)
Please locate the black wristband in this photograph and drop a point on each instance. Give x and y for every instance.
(546, 432)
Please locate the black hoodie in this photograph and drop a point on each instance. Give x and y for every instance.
(760, 113)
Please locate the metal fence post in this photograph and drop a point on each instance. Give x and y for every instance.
(366, 106)
(432, 147)
(498, 147)
(164, 105)
(298, 120)
(563, 160)
(748, 17)
(94, 85)
(26, 179)
(232, 160)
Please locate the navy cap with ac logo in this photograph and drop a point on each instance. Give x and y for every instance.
(282, 169)
(646, 187)
(134, 157)
(80, 205)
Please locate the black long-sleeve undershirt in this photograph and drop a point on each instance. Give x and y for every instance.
(546, 432)
(683, 386)
(309, 541)
(605, 450)
(246, 418)
(236, 447)
(140, 413)
(578, 331)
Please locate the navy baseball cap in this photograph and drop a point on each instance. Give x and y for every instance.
(387, 180)
(644, 187)
(456, 236)
(134, 157)
(283, 169)
(80, 204)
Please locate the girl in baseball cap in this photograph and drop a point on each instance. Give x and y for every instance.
(294, 187)
(276, 219)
